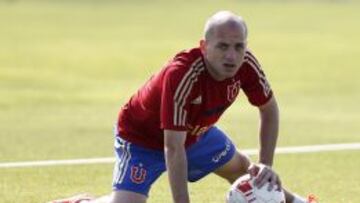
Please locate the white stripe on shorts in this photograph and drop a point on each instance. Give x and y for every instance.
(124, 165)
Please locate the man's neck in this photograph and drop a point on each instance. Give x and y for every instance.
(212, 72)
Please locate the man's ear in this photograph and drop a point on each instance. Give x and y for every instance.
(202, 46)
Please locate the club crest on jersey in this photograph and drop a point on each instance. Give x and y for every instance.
(233, 90)
(138, 174)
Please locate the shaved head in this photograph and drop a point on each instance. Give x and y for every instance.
(224, 44)
(221, 19)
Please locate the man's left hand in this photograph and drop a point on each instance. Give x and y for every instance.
(263, 174)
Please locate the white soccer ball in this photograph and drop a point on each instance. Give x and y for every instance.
(244, 191)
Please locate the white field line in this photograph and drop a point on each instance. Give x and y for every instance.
(279, 150)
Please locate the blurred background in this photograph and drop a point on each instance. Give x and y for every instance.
(66, 67)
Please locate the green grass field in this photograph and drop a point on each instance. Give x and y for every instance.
(66, 67)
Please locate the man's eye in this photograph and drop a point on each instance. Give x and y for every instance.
(239, 47)
(223, 46)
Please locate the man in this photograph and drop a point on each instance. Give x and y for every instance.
(170, 122)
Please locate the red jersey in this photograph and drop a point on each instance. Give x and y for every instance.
(183, 96)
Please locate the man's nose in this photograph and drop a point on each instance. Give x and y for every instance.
(230, 55)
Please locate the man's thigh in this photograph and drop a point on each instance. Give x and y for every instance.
(122, 196)
(212, 151)
(136, 168)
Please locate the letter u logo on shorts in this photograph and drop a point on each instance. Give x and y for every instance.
(138, 174)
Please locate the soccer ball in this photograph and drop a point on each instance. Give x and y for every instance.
(244, 191)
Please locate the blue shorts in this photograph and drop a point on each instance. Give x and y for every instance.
(136, 168)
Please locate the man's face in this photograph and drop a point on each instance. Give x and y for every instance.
(224, 51)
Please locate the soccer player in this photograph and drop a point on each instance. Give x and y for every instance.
(169, 123)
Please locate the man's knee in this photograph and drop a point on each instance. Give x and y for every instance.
(122, 196)
(234, 168)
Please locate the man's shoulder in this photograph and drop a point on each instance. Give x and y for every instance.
(189, 54)
(190, 60)
(250, 58)
(250, 64)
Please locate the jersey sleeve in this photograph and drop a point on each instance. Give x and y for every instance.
(254, 82)
(174, 100)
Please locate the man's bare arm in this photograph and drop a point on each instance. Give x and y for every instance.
(269, 129)
(176, 164)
